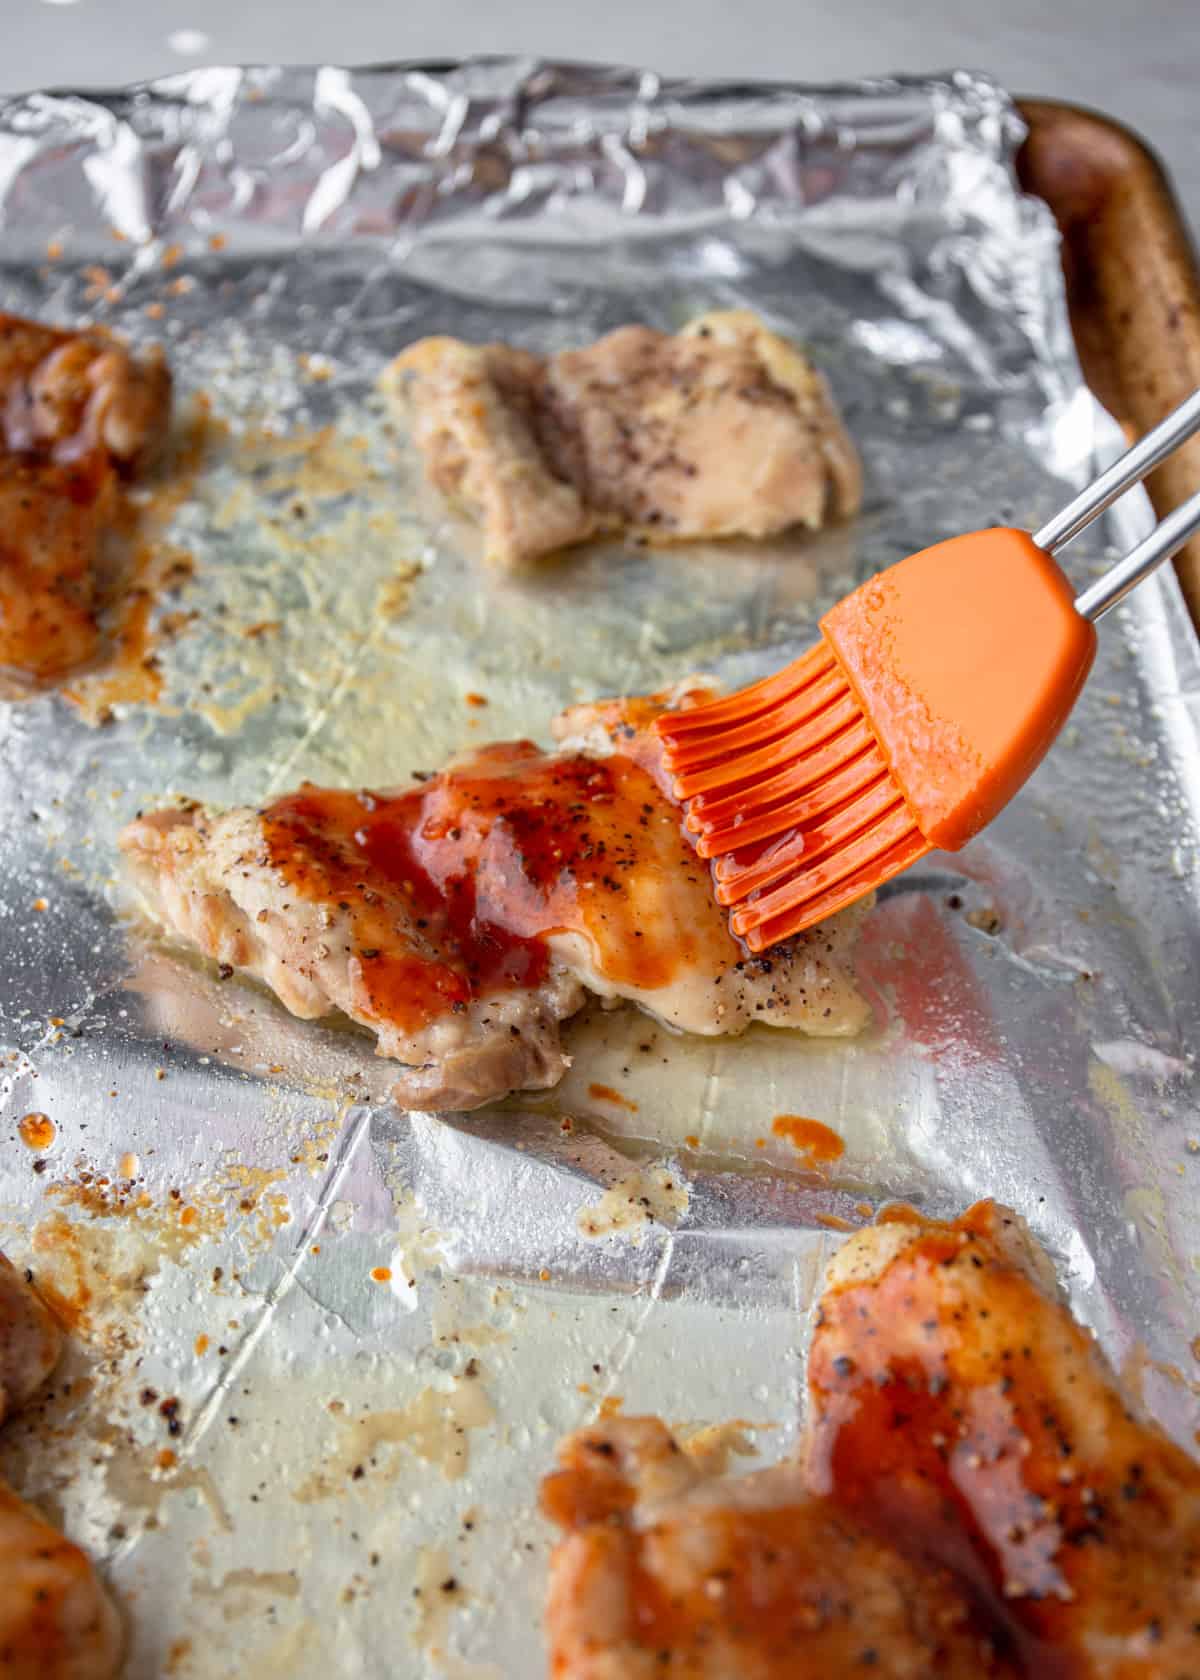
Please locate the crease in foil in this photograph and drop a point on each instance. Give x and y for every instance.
(325, 1285)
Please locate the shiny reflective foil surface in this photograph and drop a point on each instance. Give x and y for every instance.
(324, 1348)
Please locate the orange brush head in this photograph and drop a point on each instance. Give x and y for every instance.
(932, 696)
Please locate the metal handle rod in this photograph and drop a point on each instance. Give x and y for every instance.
(1181, 424)
(1165, 540)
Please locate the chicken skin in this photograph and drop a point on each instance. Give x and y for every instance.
(80, 417)
(723, 429)
(462, 919)
(960, 1409)
(56, 1620)
(666, 1570)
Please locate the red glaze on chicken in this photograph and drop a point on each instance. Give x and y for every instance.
(463, 918)
(665, 1570)
(958, 1407)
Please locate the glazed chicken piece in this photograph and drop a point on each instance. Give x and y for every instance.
(56, 1621)
(30, 1341)
(80, 417)
(463, 918)
(958, 1407)
(977, 1497)
(666, 1570)
(721, 430)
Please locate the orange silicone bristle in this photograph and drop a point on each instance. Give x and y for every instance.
(933, 694)
(800, 826)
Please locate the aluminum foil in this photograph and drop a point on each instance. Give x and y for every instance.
(325, 1348)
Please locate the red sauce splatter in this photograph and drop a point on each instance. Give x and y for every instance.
(812, 1137)
(483, 863)
(36, 1131)
(605, 1093)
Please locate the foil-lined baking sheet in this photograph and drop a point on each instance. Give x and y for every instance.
(324, 1348)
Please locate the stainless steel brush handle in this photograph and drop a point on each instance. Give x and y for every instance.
(1181, 424)
(1166, 539)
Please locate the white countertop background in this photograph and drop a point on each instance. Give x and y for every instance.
(1138, 62)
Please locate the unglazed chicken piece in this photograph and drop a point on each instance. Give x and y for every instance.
(665, 1570)
(462, 919)
(80, 416)
(958, 1406)
(474, 423)
(721, 430)
(56, 1620)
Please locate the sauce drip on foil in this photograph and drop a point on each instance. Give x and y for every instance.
(812, 1138)
(37, 1131)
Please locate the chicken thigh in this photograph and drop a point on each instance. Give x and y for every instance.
(723, 429)
(463, 918)
(666, 1570)
(56, 1620)
(959, 1407)
(80, 416)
